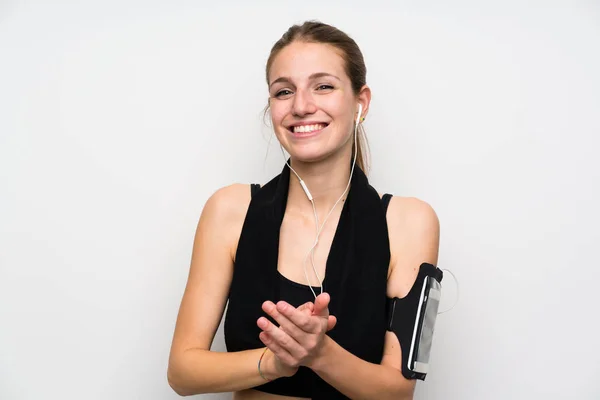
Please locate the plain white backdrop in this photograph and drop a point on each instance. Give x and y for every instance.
(118, 119)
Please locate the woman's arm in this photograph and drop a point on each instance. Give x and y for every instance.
(193, 368)
(414, 236)
(414, 232)
(359, 379)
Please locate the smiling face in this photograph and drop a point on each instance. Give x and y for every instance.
(313, 107)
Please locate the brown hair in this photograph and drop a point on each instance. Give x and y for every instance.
(318, 32)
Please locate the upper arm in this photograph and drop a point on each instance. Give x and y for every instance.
(414, 232)
(211, 269)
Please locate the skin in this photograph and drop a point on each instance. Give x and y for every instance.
(296, 96)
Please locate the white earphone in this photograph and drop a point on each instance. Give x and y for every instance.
(310, 198)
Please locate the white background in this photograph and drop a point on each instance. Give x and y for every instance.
(119, 118)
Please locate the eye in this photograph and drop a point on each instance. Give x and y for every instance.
(324, 87)
(283, 92)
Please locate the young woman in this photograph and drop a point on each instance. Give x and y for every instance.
(304, 320)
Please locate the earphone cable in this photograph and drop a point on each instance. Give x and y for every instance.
(320, 228)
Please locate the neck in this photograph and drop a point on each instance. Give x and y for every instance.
(326, 180)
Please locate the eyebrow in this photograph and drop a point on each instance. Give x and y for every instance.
(313, 76)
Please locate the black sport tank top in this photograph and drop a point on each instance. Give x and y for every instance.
(355, 278)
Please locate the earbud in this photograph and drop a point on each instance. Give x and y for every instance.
(359, 113)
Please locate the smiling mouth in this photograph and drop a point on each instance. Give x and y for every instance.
(307, 128)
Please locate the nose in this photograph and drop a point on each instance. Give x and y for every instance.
(303, 104)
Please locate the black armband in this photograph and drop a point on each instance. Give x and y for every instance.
(412, 319)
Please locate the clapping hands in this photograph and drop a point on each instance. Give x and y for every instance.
(298, 340)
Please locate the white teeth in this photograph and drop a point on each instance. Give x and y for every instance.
(308, 128)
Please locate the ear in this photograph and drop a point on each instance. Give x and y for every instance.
(267, 118)
(364, 98)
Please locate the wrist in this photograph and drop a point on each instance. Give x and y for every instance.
(319, 362)
(268, 367)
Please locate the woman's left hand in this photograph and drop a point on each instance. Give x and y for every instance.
(300, 336)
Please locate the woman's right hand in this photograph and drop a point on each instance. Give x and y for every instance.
(273, 367)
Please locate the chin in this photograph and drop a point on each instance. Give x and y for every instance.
(310, 155)
(305, 157)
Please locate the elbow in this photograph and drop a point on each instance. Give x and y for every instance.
(184, 376)
(401, 394)
(403, 388)
(407, 391)
(398, 395)
(407, 396)
(179, 390)
(178, 382)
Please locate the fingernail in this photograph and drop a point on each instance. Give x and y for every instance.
(263, 336)
(262, 322)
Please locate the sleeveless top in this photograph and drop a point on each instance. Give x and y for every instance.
(355, 278)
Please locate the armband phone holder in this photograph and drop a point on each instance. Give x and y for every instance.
(412, 319)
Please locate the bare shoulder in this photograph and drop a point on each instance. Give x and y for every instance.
(414, 231)
(412, 216)
(225, 211)
(229, 200)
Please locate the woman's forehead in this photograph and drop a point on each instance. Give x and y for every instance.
(300, 60)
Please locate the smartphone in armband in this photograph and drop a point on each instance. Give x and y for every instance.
(422, 338)
(412, 319)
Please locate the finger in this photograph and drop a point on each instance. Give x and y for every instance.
(331, 322)
(284, 356)
(307, 323)
(307, 307)
(322, 304)
(282, 338)
(288, 326)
